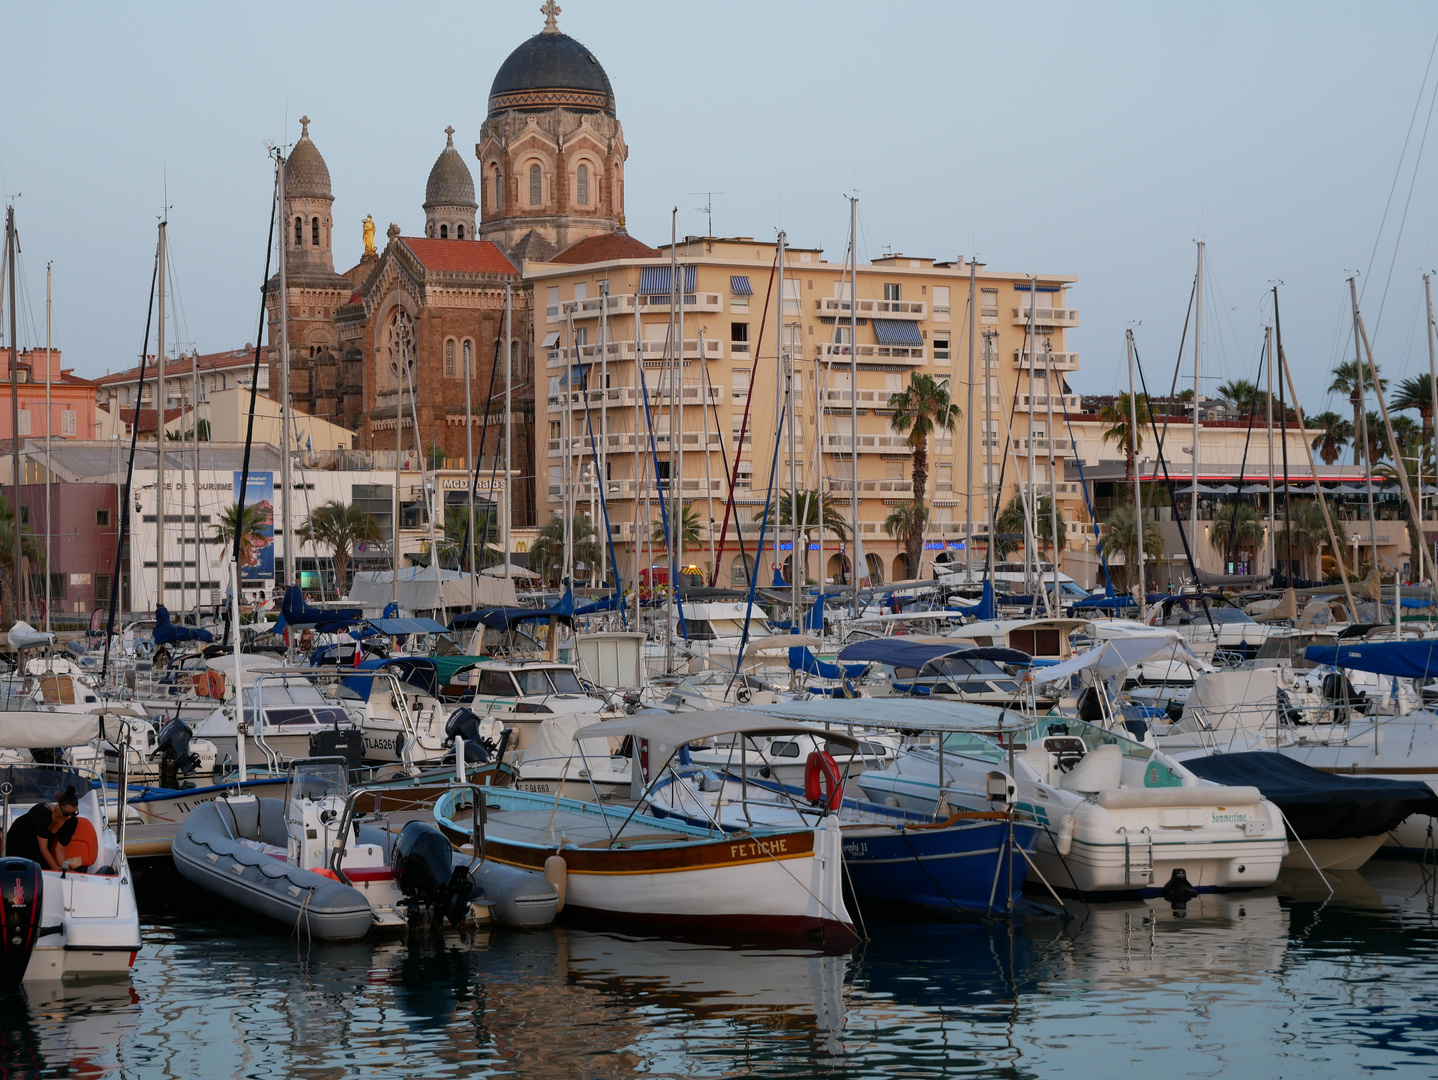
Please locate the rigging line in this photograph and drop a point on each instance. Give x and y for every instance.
(124, 507)
(1407, 202)
(601, 482)
(758, 552)
(664, 487)
(494, 462)
(1088, 502)
(1178, 363)
(1242, 465)
(1398, 169)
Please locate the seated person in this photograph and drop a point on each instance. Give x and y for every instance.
(31, 836)
(81, 851)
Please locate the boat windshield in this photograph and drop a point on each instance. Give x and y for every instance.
(974, 746)
(1092, 736)
(314, 778)
(42, 783)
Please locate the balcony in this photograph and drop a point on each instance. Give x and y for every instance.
(845, 399)
(1046, 316)
(592, 307)
(909, 355)
(691, 487)
(653, 351)
(1042, 445)
(624, 441)
(628, 396)
(695, 301)
(1041, 402)
(1064, 489)
(1062, 361)
(888, 489)
(867, 444)
(838, 308)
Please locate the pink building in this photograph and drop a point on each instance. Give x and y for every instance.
(72, 399)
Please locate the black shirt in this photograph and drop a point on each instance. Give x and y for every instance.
(24, 838)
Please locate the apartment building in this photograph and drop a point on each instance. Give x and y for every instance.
(619, 351)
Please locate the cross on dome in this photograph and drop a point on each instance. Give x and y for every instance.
(449, 135)
(304, 127)
(550, 10)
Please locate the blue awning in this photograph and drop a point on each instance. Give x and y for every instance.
(897, 332)
(395, 627)
(903, 653)
(739, 285)
(1403, 659)
(573, 377)
(654, 280)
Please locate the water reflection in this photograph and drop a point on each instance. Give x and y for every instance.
(1289, 980)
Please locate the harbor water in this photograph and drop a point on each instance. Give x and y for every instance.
(1284, 982)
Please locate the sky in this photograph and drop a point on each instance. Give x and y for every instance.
(1099, 141)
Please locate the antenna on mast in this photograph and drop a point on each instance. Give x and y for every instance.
(708, 208)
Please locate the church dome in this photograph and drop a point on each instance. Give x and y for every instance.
(306, 174)
(450, 181)
(551, 70)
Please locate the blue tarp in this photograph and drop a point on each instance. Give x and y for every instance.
(906, 653)
(801, 659)
(607, 603)
(167, 633)
(1102, 601)
(986, 609)
(395, 627)
(1402, 659)
(502, 618)
(300, 613)
(361, 684)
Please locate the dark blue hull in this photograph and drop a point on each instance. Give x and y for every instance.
(970, 867)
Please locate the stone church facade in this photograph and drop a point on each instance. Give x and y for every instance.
(386, 343)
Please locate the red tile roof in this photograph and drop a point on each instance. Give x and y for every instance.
(147, 418)
(607, 247)
(208, 362)
(460, 256)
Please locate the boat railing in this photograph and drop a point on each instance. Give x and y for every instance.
(349, 825)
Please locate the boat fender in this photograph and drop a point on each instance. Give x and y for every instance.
(556, 872)
(1065, 842)
(822, 784)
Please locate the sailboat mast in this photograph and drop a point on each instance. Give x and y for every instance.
(786, 351)
(1433, 383)
(779, 387)
(1031, 496)
(1268, 343)
(602, 465)
(160, 432)
(508, 415)
(969, 432)
(1053, 466)
(286, 528)
(1137, 492)
(49, 415)
(856, 550)
(195, 422)
(666, 492)
(1197, 343)
(1362, 433)
(468, 358)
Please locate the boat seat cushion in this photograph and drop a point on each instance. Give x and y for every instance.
(1099, 770)
(1038, 759)
(84, 845)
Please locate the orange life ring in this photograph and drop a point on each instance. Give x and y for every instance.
(209, 684)
(823, 786)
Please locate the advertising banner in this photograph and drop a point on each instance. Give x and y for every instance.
(257, 558)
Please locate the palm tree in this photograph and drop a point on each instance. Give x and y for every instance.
(250, 523)
(1337, 433)
(340, 527)
(808, 504)
(547, 555)
(903, 521)
(1237, 527)
(1345, 381)
(918, 411)
(454, 541)
(1121, 535)
(1011, 521)
(30, 550)
(1377, 438)
(1417, 393)
(1118, 416)
(1408, 435)
(1244, 394)
(689, 528)
(1304, 533)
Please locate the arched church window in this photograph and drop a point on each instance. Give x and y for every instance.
(449, 369)
(498, 189)
(461, 230)
(581, 185)
(514, 360)
(536, 186)
(299, 231)
(469, 357)
(399, 349)
(444, 232)
(315, 232)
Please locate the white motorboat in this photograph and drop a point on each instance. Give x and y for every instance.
(285, 716)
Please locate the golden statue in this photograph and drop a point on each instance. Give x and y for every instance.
(368, 234)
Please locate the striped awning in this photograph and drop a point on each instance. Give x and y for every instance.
(897, 332)
(654, 280)
(739, 285)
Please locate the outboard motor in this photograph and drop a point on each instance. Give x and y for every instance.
(21, 891)
(173, 745)
(464, 724)
(423, 864)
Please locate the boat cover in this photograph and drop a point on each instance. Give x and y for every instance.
(299, 612)
(801, 659)
(168, 633)
(503, 618)
(1102, 600)
(25, 636)
(396, 627)
(1320, 805)
(1117, 655)
(908, 653)
(1403, 659)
